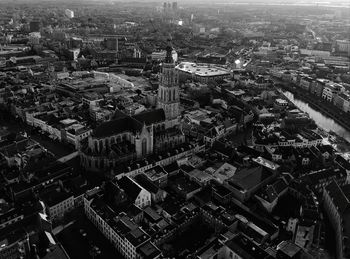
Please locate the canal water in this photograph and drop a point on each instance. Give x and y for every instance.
(321, 120)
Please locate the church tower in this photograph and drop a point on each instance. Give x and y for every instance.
(168, 91)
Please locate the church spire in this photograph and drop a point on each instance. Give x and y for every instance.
(169, 52)
(168, 91)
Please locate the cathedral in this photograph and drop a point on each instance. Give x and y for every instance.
(131, 138)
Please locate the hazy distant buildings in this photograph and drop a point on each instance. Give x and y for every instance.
(174, 6)
(343, 46)
(170, 7)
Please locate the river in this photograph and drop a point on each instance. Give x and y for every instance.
(321, 120)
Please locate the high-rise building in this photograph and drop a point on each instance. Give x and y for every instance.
(69, 13)
(168, 92)
(35, 26)
(174, 6)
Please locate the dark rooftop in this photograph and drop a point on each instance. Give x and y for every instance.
(142, 180)
(148, 251)
(248, 178)
(130, 187)
(117, 126)
(245, 248)
(150, 117)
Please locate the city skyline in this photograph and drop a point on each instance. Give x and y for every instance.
(174, 129)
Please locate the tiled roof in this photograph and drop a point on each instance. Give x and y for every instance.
(117, 126)
(123, 123)
(130, 187)
(340, 200)
(142, 180)
(248, 178)
(119, 114)
(150, 117)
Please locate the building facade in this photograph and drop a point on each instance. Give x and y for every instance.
(336, 204)
(126, 236)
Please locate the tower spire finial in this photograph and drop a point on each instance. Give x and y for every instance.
(169, 51)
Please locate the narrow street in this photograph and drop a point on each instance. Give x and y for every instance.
(57, 148)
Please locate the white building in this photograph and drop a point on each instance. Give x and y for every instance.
(201, 72)
(160, 55)
(76, 133)
(134, 108)
(74, 53)
(69, 13)
(41, 121)
(100, 75)
(92, 99)
(329, 91)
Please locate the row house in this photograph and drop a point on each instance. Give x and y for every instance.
(342, 101)
(330, 90)
(125, 235)
(321, 178)
(305, 82)
(48, 123)
(57, 202)
(317, 86)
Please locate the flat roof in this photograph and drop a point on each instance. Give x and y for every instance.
(225, 172)
(155, 173)
(202, 69)
(266, 163)
(247, 178)
(246, 248)
(68, 121)
(183, 184)
(148, 250)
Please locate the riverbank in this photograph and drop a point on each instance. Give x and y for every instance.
(326, 108)
(332, 131)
